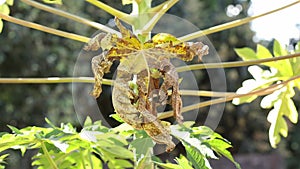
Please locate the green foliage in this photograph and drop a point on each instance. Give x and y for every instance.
(62, 147)
(96, 145)
(2, 162)
(4, 9)
(201, 143)
(280, 100)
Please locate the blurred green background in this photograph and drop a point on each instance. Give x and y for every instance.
(29, 53)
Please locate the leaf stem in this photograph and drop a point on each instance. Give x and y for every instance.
(121, 15)
(70, 16)
(45, 28)
(234, 64)
(159, 11)
(231, 24)
(53, 80)
(44, 148)
(259, 92)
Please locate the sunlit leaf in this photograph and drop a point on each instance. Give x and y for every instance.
(198, 160)
(145, 162)
(221, 146)
(59, 2)
(169, 165)
(2, 158)
(127, 2)
(249, 86)
(283, 107)
(183, 162)
(268, 101)
(246, 53)
(278, 50)
(262, 52)
(87, 122)
(14, 129)
(1, 25)
(283, 66)
(4, 9)
(10, 2)
(119, 164)
(117, 117)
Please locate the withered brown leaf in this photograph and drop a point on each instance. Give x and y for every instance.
(143, 65)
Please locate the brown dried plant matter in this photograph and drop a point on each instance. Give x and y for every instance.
(137, 90)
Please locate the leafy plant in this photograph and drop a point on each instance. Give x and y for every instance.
(96, 146)
(283, 72)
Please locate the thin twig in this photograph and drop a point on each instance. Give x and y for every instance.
(234, 64)
(70, 16)
(45, 28)
(259, 92)
(231, 24)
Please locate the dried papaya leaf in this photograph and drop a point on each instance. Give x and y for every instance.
(141, 67)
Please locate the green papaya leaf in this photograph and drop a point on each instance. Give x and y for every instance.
(198, 160)
(117, 117)
(87, 122)
(249, 86)
(169, 165)
(10, 2)
(1, 25)
(278, 50)
(2, 158)
(183, 162)
(119, 164)
(246, 53)
(127, 2)
(142, 146)
(221, 146)
(4, 9)
(262, 52)
(284, 66)
(14, 129)
(268, 101)
(283, 107)
(145, 162)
